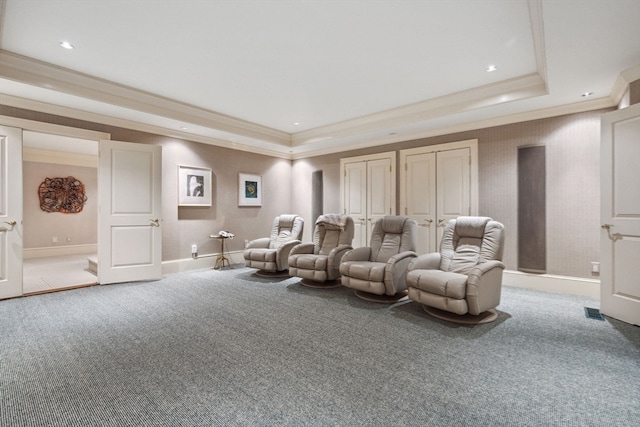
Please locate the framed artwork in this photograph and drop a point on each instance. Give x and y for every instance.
(249, 190)
(194, 186)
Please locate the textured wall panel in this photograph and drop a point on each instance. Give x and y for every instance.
(532, 210)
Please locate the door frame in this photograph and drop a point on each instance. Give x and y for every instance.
(387, 155)
(471, 144)
(54, 129)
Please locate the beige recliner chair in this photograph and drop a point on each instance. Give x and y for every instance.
(270, 255)
(463, 281)
(378, 272)
(318, 263)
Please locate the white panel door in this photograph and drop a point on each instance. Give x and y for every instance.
(130, 233)
(11, 237)
(620, 215)
(453, 191)
(379, 191)
(355, 199)
(418, 196)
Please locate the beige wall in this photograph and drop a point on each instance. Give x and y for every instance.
(573, 183)
(573, 189)
(70, 229)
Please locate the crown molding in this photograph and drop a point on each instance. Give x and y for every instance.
(497, 93)
(41, 74)
(264, 148)
(622, 83)
(339, 146)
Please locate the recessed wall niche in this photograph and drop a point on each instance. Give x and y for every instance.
(532, 224)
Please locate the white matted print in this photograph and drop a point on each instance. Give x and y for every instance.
(249, 190)
(194, 186)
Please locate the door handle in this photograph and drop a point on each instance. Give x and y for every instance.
(427, 223)
(441, 222)
(155, 222)
(12, 224)
(614, 236)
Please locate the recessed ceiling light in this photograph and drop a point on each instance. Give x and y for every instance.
(296, 124)
(183, 127)
(587, 94)
(67, 45)
(491, 68)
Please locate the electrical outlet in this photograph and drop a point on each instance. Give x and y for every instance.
(54, 239)
(194, 249)
(595, 267)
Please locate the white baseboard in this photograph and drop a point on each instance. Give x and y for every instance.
(202, 262)
(540, 282)
(552, 283)
(30, 253)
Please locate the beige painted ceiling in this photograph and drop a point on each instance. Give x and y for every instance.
(300, 78)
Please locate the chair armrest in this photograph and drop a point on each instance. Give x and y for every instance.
(395, 272)
(484, 286)
(425, 262)
(335, 256)
(303, 248)
(282, 254)
(358, 254)
(475, 275)
(262, 242)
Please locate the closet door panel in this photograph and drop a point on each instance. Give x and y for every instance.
(453, 186)
(419, 197)
(355, 199)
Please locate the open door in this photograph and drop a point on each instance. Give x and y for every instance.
(129, 230)
(620, 215)
(11, 238)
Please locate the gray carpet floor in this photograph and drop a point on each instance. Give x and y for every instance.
(226, 348)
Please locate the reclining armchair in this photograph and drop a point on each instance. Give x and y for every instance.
(462, 282)
(378, 272)
(270, 255)
(318, 263)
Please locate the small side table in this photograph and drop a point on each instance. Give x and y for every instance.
(222, 257)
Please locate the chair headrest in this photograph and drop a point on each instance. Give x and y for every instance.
(471, 226)
(393, 224)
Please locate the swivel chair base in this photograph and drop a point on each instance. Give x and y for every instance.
(329, 284)
(465, 319)
(384, 299)
(265, 273)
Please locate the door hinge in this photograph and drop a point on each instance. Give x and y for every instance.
(406, 211)
(406, 167)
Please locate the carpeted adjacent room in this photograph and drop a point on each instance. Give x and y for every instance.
(226, 348)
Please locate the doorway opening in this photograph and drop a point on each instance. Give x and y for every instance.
(58, 245)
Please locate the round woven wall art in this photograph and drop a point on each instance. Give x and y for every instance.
(64, 195)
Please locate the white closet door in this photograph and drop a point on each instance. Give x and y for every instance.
(368, 191)
(355, 199)
(419, 197)
(11, 237)
(379, 191)
(130, 233)
(453, 186)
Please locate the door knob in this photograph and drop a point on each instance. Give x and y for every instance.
(614, 236)
(155, 222)
(12, 224)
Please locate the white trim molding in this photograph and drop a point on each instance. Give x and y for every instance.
(200, 263)
(552, 283)
(88, 249)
